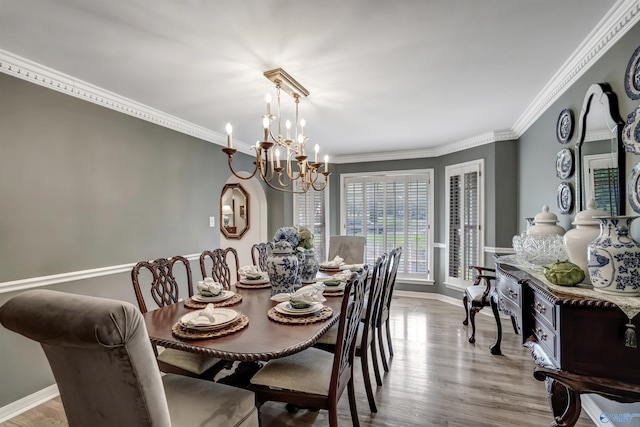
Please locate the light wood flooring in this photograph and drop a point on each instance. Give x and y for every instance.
(436, 379)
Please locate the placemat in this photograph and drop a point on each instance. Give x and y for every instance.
(333, 294)
(318, 316)
(190, 334)
(235, 299)
(248, 286)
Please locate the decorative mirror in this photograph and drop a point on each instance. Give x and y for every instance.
(234, 211)
(600, 158)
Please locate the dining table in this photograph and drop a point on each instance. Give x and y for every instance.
(261, 339)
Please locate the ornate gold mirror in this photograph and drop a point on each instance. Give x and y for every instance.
(234, 211)
(600, 167)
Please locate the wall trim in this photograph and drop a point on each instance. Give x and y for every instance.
(622, 17)
(16, 408)
(36, 282)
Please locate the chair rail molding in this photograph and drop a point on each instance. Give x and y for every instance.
(36, 282)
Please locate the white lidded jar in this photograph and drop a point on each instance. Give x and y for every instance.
(576, 240)
(545, 224)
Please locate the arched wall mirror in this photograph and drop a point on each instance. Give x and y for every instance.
(234, 211)
(600, 157)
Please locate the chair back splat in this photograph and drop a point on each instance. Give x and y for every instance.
(163, 288)
(219, 263)
(259, 254)
(385, 305)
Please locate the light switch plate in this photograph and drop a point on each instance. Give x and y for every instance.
(212, 221)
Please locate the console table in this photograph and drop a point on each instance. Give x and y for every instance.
(577, 342)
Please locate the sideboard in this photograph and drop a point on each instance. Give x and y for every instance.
(577, 343)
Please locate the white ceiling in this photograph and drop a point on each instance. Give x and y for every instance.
(383, 75)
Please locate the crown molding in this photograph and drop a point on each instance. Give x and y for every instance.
(615, 24)
(441, 150)
(33, 72)
(622, 17)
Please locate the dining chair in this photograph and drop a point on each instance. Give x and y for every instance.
(216, 262)
(349, 248)
(476, 297)
(103, 364)
(382, 319)
(162, 287)
(365, 341)
(259, 254)
(315, 378)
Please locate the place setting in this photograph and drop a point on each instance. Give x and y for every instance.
(333, 265)
(211, 322)
(301, 307)
(210, 292)
(252, 278)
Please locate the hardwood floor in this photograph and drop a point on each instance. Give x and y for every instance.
(436, 379)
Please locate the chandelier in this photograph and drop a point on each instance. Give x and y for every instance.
(288, 178)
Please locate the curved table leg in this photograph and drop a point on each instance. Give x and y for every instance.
(564, 401)
(495, 348)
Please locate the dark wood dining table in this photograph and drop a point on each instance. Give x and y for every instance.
(263, 339)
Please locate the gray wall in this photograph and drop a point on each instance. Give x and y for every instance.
(84, 187)
(538, 146)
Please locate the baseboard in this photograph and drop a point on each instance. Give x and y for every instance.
(19, 406)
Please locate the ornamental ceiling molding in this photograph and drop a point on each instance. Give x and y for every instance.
(615, 24)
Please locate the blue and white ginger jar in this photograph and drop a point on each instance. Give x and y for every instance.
(309, 266)
(282, 267)
(614, 258)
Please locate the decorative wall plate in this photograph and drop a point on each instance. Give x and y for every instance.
(564, 163)
(633, 188)
(632, 76)
(565, 198)
(564, 127)
(631, 132)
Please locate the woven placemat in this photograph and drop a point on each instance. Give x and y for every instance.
(318, 316)
(235, 299)
(251, 286)
(190, 334)
(333, 294)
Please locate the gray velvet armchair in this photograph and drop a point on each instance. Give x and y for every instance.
(105, 368)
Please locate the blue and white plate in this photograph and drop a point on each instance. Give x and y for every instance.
(565, 198)
(631, 132)
(633, 188)
(564, 163)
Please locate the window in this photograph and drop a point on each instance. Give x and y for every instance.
(392, 209)
(601, 181)
(464, 221)
(310, 212)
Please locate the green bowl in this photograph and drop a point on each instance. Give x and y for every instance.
(209, 294)
(332, 282)
(257, 277)
(299, 304)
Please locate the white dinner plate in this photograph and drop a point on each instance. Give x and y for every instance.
(254, 281)
(334, 288)
(224, 295)
(285, 308)
(222, 317)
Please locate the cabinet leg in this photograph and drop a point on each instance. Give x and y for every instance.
(565, 403)
(495, 348)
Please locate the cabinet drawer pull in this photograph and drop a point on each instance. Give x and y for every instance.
(512, 293)
(539, 307)
(542, 334)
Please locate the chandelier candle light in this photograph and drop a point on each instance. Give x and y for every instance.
(285, 178)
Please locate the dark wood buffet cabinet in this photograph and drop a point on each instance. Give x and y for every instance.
(577, 343)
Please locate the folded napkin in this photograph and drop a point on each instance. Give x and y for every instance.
(208, 287)
(343, 276)
(352, 267)
(205, 317)
(334, 263)
(252, 272)
(309, 294)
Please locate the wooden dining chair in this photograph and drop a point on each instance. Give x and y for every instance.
(259, 254)
(480, 295)
(350, 248)
(315, 378)
(365, 342)
(218, 264)
(161, 288)
(382, 321)
(103, 364)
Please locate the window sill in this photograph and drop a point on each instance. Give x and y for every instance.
(409, 281)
